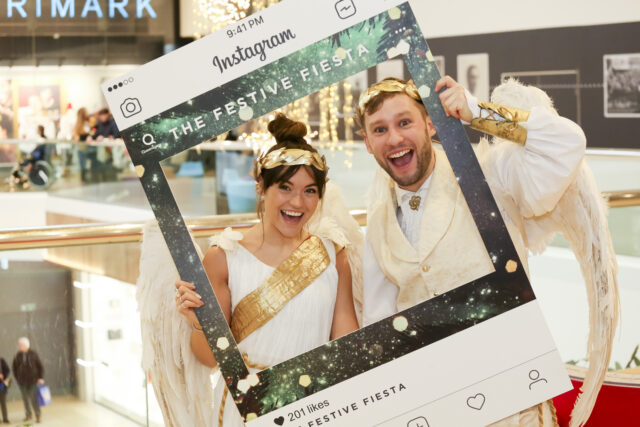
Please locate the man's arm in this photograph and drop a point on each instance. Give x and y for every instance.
(113, 131)
(379, 294)
(39, 367)
(537, 174)
(5, 370)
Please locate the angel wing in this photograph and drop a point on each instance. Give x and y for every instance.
(333, 220)
(582, 219)
(581, 216)
(182, 385)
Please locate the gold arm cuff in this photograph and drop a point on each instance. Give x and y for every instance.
(510, 114)
(506, 130)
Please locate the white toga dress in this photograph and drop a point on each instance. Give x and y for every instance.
(302, 325)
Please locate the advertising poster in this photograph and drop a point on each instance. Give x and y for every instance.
(473, 73)
(6, 109)
(622, 85)
(38, 105)
(461, 358)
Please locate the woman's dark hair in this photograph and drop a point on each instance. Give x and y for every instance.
(290, 134)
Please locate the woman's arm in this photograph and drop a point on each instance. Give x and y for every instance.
(215, 265)
(344, 314)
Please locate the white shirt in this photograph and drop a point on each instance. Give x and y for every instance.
(536, 179)
(409, 219)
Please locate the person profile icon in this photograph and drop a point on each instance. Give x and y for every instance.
(534, 376)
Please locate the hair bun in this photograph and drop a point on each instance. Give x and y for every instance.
(284, 129)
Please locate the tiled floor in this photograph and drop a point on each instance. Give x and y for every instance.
(70, 412)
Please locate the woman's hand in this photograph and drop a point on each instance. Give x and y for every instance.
(186, 300)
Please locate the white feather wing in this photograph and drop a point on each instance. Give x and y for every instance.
(581, 216)
(333, 221)
(182, 385)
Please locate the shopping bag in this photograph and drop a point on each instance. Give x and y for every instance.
(44, 395)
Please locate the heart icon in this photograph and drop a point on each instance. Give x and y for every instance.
(279, 421)
(476, 402)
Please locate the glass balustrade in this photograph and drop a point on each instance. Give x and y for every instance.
(69, 283)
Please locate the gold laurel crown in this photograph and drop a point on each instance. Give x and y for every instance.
(388, 86)
(290, 157)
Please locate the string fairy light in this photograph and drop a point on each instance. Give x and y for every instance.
(258, 5)
(348, 111)
(220, 13)
(211, 15)
(334, 120)
(324, 99)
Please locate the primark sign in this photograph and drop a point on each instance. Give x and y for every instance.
(78, 9)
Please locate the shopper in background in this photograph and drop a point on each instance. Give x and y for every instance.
(105, 129)
(4, 387)
(81, 131)
(39, 153)
(106, 126)
(28, 372)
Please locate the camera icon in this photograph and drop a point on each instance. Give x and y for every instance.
(130, 107)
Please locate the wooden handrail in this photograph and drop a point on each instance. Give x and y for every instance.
(101, 233)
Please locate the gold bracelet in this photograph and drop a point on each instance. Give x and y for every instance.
(193, 325)
(502, 122)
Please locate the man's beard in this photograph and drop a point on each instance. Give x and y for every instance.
(423, 161)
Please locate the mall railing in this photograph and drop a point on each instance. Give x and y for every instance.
(101, 233)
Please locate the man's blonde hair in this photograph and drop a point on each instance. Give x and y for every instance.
(372, 99)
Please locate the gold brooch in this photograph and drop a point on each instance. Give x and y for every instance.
(414, 203)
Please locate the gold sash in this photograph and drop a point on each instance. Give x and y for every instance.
(290, 278)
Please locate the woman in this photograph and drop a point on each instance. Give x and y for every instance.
(319, 306)
(82, 128)
(81, 132)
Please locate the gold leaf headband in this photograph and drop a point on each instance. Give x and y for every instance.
(389, 86)
(290, 157)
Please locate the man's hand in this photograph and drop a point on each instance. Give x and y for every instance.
(454, 100)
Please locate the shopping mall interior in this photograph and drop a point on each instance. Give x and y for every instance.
(73, 210)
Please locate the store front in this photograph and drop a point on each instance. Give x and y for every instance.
(109, 349)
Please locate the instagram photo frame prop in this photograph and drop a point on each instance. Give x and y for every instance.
(255, 79)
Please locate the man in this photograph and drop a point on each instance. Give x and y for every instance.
(106, 127)
(101, 157)
(419, 221)
(4, 386)
(28, 372)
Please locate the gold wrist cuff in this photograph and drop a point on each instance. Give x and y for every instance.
(509, 114)
(502, 122)
(506, 130)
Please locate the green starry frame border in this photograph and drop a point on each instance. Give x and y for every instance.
(393, 33)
